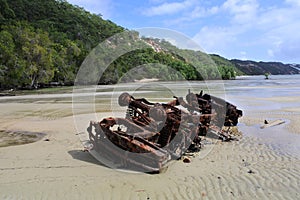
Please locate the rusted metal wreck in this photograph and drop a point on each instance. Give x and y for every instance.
(152, 134)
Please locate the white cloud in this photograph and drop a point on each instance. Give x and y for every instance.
(191, 14)
(281, 28)
(267, 33)
(200, 11)
(168, 8)
(157, 1)
(243, 11)
(240, 11)
(211, 37)
(293, 2)
(284, 41)
(103, 7)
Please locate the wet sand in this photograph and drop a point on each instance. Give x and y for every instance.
(255, 167)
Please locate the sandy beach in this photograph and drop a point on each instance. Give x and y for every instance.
(260, 165)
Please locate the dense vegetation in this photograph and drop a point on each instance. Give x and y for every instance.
(167, 63)
(44, 41)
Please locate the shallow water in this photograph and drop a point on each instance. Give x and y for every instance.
(252, 94)
(11, 138)
(255, 94)
(245, 89)
(276, 138)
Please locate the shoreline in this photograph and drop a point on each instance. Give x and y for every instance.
(263, 164)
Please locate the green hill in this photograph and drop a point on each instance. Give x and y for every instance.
(46, 41)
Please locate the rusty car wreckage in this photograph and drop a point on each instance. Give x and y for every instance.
(152, 134)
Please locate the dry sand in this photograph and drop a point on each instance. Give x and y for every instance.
(58, 168)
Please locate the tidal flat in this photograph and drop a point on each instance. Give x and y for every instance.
(263, 164)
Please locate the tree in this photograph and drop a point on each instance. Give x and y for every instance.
(5, 11)
(7, 57)
(34, 55)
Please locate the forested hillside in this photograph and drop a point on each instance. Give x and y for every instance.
(46, 41)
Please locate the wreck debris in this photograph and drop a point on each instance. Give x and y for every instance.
(117, 144)
(186, 160)
(272, 123)
(177, 129)
(152, 134)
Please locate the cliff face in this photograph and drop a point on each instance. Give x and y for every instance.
(258, 68)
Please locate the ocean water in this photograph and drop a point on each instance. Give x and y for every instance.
(279, 96)
(246, 88)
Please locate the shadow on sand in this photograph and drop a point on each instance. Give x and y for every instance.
(84, 156)
(87, 157)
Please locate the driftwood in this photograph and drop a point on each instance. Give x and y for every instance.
(272, 123)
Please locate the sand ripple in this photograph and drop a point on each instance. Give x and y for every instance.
(243, 170)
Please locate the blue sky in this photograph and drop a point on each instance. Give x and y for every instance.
(261, 30)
